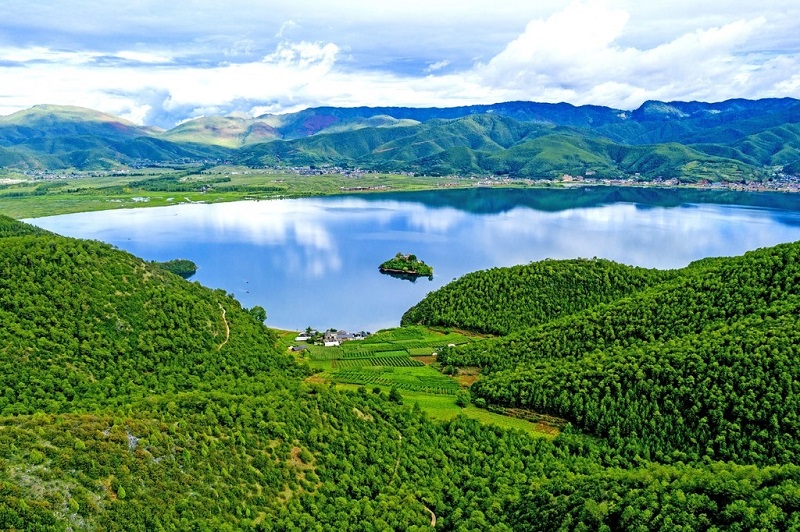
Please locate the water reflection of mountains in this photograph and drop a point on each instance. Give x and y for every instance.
(499, 200)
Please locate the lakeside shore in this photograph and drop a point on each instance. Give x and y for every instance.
(66, 193)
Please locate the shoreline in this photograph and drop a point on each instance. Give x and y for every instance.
(92, 198)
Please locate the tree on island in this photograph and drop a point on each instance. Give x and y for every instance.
(406, 264)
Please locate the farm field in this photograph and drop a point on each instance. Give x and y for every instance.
(416, 379)
(444, 408)
(403, 359)
(387, 361)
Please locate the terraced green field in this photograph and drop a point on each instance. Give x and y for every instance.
(401, 342)
(386, 361)
(422, 379)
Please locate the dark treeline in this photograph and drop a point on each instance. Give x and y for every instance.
(177, 183)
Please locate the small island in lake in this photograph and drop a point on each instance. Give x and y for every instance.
(183, 267)
(406, 265)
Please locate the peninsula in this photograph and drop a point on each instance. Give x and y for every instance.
(407, 265)
(183, 267)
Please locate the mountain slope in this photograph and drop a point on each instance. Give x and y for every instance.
(227, 131)
(693, 365)
(691, 141)
(673, 119)
(315, 120)
(492, 144)
(52, 121)
(53, 137)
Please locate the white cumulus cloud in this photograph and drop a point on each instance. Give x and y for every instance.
(221, 60)
(575, 56)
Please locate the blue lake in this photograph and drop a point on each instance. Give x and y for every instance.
(314, 262)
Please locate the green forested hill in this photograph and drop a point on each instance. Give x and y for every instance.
(703, 365)
(723, 496)
(93, 325)
(502, 300)
(227, 131)
(131, 399)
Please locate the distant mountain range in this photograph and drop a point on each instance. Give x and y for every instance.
(731, 140)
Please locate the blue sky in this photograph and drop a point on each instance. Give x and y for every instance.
(160, 63)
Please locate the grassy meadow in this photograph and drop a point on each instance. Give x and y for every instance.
(24, 196)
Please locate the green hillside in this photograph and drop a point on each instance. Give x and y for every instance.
(134, 400)
(131, 399)
(503, 300)
(693, 366)
(689, 141)
(57, 137)
(372, 121)
(489, 144)
(227, 131)
(553, 155)
(49, 121)
(724, 496)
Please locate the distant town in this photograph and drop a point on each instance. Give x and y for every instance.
(776, 182)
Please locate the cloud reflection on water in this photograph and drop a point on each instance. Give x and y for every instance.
(314, 261)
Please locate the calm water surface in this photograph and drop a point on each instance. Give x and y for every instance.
(314, 262)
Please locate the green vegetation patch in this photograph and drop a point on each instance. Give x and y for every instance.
(406, 265)
(131, 399)
(680, 366)
(422, 379)
(73, 191)
(502, 300)
(387, 361)
(181, 267)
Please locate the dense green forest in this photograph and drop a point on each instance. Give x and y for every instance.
(132, 399)
(502, 300)
(703, 365)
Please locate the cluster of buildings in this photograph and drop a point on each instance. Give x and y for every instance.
(330, 338)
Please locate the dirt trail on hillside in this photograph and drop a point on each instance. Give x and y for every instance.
(227, 328)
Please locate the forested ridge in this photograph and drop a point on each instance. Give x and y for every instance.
(702, 365)
(122, 407)
(502, 300)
